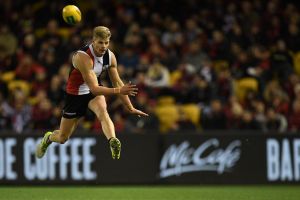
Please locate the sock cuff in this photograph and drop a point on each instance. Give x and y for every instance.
(110, 139)
(48, 141)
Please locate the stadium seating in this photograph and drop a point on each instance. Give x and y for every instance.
(242, 86)
(192, 112)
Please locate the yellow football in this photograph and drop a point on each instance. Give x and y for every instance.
(71, 14)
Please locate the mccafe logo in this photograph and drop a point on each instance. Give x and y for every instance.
(208, 156)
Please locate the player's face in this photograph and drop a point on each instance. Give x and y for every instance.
(100, 46)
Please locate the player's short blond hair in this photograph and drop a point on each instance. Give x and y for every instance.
(101, 32)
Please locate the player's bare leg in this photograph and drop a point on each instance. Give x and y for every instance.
(67, 127)
(99, 107)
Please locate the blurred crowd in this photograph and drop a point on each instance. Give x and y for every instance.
(199, 65)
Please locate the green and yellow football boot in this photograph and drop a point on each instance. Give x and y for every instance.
(115, 147)
(43, 145)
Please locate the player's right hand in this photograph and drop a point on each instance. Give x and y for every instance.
(129, 89)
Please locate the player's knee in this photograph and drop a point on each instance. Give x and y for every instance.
(101, 111)
(102, 108)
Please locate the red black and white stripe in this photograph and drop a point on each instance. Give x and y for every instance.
(75, 83)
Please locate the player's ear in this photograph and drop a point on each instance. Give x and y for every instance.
(93, 39)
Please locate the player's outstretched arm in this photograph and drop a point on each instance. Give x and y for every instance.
(117, 82)
(84, 64)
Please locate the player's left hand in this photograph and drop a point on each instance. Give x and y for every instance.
(138, 112)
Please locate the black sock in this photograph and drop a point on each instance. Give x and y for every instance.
(110, 139)
(48, 141)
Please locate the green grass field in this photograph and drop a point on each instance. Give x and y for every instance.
(152, 193)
